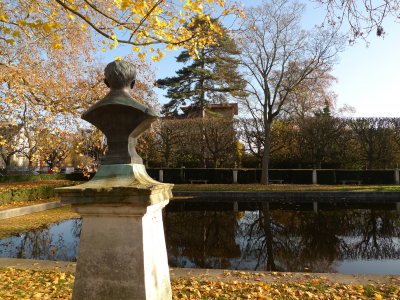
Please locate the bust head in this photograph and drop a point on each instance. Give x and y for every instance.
(120, 74)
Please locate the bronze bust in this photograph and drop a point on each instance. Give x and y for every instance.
(119, 116)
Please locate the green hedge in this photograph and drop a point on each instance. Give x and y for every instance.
(223, 176)
(367, 176)
(153, 173)
(285, 175)
(301, 176)
(289, 176)
(72, 176)
(326, 176)
(28, 194)
(173, 175)
(247, 176)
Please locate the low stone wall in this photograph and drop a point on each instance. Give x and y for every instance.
(24, 210)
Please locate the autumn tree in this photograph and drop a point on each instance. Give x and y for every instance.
(136, 23)
(375, 143)
(220, 139)
(11, 144)
(34, 135)
(251, 133)
(49, 47)
(210, 78)
(58, 145)
(168, 138)
(92, 143)
(319, 137)
(274, 49)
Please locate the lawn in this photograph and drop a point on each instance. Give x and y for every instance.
(46, 284)
(287, 187)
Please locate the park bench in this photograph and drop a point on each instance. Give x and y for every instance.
(351, 181)
(280, 181)
(198, 181)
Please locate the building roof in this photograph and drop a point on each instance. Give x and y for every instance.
(214, 106)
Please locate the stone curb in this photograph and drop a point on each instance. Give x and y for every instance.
(277, 196)
(29, 209)
(221, 275)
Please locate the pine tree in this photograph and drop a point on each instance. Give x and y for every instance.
(326, 112)
(210, 78)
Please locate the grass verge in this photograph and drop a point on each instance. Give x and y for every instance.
(46, 284)
(286, 187)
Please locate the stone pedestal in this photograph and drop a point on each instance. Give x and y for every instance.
(122, 253)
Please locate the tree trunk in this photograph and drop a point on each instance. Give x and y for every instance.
(268, 236)
(265, 159)
(7, 162)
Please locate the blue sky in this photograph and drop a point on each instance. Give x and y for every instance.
(368, 77)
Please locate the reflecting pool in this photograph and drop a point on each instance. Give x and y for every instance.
(270, 236)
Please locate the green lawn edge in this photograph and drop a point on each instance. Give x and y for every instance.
(285, 188)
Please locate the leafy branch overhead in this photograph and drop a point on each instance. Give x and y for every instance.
(136, 23)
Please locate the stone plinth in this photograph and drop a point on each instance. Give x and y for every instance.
(122, 253)
(122, 183)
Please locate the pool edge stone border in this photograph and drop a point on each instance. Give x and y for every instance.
(28, 209)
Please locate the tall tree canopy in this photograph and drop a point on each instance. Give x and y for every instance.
(210, 77)
(279, 57)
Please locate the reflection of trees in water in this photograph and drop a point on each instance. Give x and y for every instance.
(305, 241)
(280, 240)
(372, 235)
(76, 228)
(319, 242)
(41, 244)
(206, 239)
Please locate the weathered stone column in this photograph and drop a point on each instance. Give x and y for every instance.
(235, 174)
(314, 175)
(122, 253)
(315, 207)
(161, 175)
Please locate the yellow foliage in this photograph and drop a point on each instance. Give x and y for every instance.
(144, 22)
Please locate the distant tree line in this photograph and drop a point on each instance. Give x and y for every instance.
(324, 141)
(327, 142)
(189, 142)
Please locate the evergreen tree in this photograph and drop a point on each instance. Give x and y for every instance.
(210, 78)
(326, 112)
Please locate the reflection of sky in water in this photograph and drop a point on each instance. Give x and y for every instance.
(384, 267)
(60, 242)
(57, 242)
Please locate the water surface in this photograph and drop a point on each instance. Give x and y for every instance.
(292, 237)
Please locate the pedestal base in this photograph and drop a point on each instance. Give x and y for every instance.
(122, 253)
